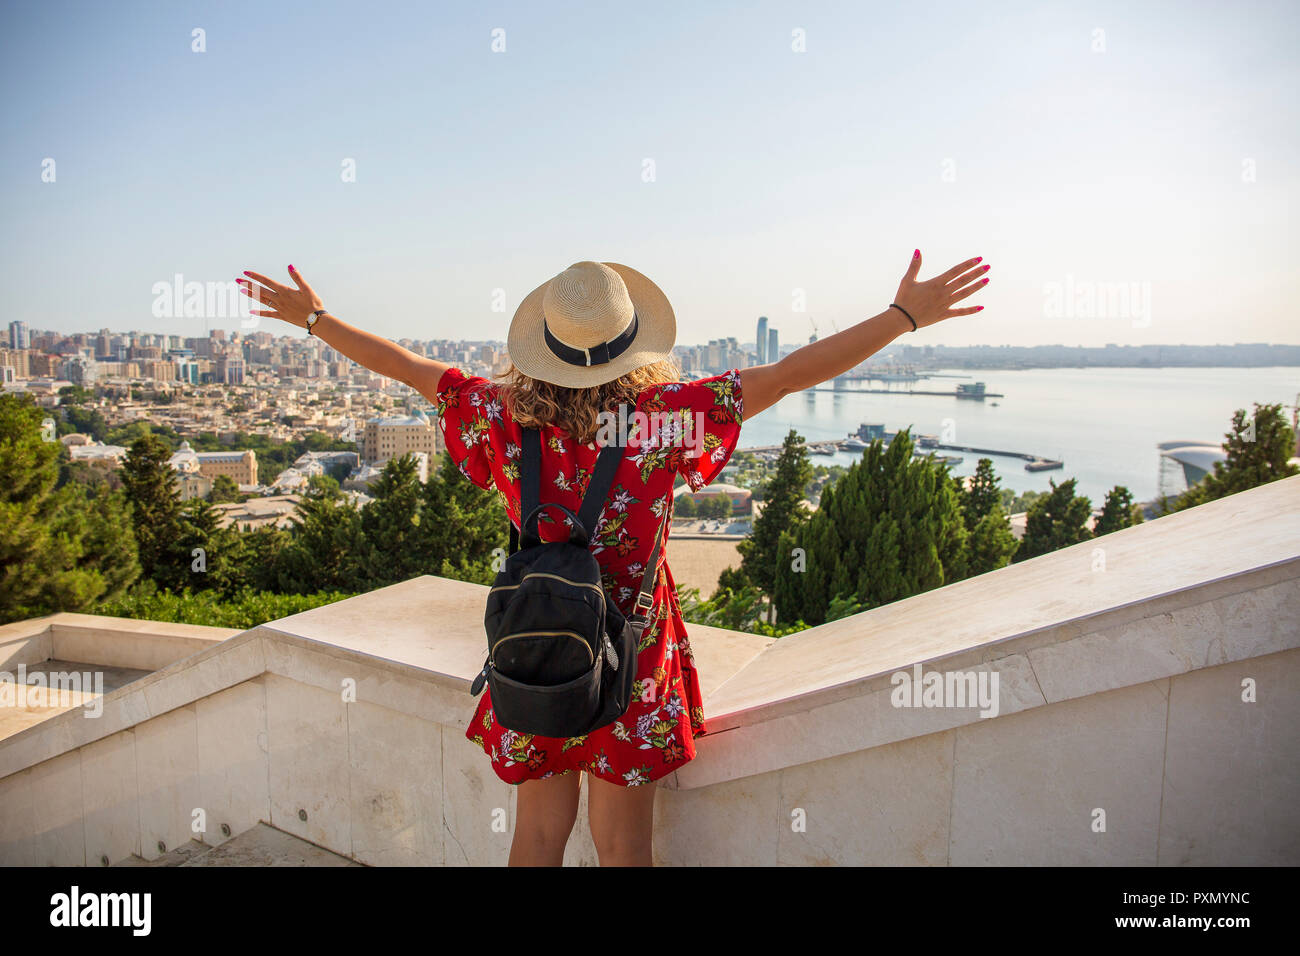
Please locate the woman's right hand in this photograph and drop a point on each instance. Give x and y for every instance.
(931, 301)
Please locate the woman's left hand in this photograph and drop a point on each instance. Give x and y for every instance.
(291, 305)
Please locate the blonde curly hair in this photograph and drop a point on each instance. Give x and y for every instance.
(534, 403)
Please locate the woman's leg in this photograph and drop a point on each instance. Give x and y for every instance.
(621, 821)
(545, 811)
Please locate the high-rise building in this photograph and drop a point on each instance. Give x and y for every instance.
(761, 340)
(18, 337)
(773, 346)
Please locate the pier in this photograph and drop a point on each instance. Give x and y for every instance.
(831, 445)
(1033, 462)
(898, 391)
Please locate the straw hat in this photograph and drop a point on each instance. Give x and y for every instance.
(591, 324)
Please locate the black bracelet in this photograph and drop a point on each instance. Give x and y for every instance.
(895, 305)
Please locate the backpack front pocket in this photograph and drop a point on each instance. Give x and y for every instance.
(560, 710)
(543, 657)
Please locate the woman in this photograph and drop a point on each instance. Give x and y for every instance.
(594, 336)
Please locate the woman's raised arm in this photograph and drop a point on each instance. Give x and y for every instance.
(927, 302)
(294, 305)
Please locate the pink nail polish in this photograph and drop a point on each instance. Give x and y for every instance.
(978, 307)
(916, 254)
(979, 259)
(247, 273)
(982, 281)
(291, 267)
(987, 268)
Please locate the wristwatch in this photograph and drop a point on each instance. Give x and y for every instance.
(313, 319)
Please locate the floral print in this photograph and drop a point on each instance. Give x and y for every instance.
(690, 429)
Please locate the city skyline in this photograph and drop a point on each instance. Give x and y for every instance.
(765, 161)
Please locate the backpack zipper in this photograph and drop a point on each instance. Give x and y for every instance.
(547, 574)
(573, 634)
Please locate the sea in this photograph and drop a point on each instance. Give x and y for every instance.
(1103, 423)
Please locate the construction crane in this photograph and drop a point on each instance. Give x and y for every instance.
(812, 338)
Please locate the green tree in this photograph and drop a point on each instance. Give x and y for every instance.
(75, 395)
(213, 553)
(783, 511)
(225, 489)
(717, 506)
(109, 547)
(60, 549)
(390, 525)
(461, 528)
(1055, 521)
(261, 555)
(87, 421)
(891, 527)
(326, 541)
(150, 485)
(1257, 450)
(1118, 512)
(991, 542)
(981, 494)
(684, 506)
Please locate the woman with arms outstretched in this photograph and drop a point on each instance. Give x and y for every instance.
(597, 335)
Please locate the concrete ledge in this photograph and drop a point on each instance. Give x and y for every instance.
(1121, 665)
(103, 640)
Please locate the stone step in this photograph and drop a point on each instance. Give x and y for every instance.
(178, 856)
(266, 846)
(261, 845)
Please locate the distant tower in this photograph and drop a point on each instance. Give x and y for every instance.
(20, 339)
(761, 340)
(773, 346)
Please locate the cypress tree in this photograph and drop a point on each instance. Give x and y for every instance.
(461, 526)
(783, 509)
(1258, 452)
(890, 528)
(1118, 512)
(981, 494)
(991, 542)
(60, 550)
(150, 485)
(389, 524)
(327, 542)
(1057, 520)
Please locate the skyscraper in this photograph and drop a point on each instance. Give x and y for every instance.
(773, 346)
(761, 340)
(19, 338)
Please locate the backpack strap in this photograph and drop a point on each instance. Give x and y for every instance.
(593, 499)
(645, 598)
(530, 478)
(602, 477)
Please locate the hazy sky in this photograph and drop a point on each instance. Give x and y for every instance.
(1083, 148)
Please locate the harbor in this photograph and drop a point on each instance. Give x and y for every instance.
(1048, 414)
(869, 432)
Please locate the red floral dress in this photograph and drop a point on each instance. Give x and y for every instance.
(691, 430)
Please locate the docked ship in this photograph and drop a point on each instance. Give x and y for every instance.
(1043, 464)
(971, 390)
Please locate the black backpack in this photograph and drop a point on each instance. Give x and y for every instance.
(561, 655)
